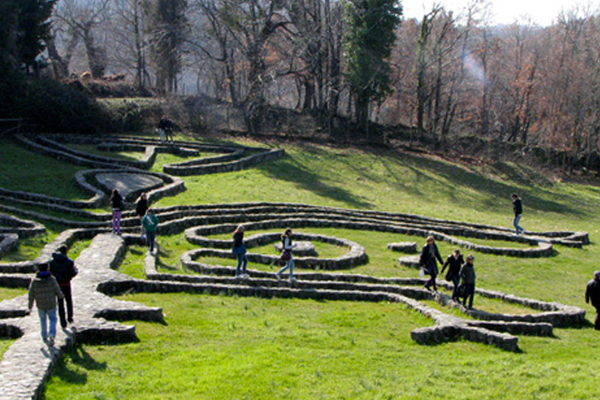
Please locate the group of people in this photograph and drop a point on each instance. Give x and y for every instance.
(458, 270)
(148, 220)
(239, 250)
(50, 289)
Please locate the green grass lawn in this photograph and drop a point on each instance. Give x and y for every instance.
(217, 347)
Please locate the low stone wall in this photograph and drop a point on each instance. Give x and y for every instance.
(221, 167)
(403, 247)
(23, 228)
(8, 241)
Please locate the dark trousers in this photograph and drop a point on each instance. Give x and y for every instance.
(431, 282)
(66, 290)
(469, 293)
(597, 323)
(150, 237)
(455, 280)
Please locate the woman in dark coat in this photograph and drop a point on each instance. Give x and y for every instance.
(467, 273)
(454, 262)
(429, 255)
(116, 202)
(141, 206)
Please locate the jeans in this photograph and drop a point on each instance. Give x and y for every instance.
(242, 261)
(289, 265)
(116, 221)
(66, 289)
(518, 229)
(51, 316)
(150, 238)
(455, 280)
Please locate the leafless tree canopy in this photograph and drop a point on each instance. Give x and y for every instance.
(452, 74)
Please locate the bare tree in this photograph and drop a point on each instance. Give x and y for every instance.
(83, 18)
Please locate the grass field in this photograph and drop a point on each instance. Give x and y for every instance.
(218, 347)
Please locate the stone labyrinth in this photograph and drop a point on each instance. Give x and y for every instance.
(28, 362)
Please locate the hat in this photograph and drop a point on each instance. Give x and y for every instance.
(597, 275)
(470, 257)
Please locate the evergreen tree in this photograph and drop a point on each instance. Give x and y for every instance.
(33, 30)
(369, 40)
(8, 29)
(24, 28)
(167, 26)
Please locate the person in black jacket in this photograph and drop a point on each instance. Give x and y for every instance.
(429, 255)
(239, 249)
(454, 262)
(467, 273)
(592, 292)
(64, 269)
(518, 211)
(116, 202)
(141, 206)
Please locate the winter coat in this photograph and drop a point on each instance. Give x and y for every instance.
(454, 264)
(592, 292)
(141, 207)
(428, 257)
(116, 202)
(467, 273)
(517, 207)
(150, 222)
(44, 290)
(62, 268)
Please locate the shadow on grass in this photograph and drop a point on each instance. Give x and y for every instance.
(81, 358)
(287, 169)
(455, 178)
(161, 265)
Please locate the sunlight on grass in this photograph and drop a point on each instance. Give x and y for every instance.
(219, 347)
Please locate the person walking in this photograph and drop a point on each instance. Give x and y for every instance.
(141, 206)
(150, 224)
(427, 260)
(44, 291)
(116, 202)
(454, 262)
(286, 254)
(64, 269)
(518, 212)
(239, 249)
(592, 292)
(467, 273)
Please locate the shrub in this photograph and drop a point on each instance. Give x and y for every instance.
(50, 106)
